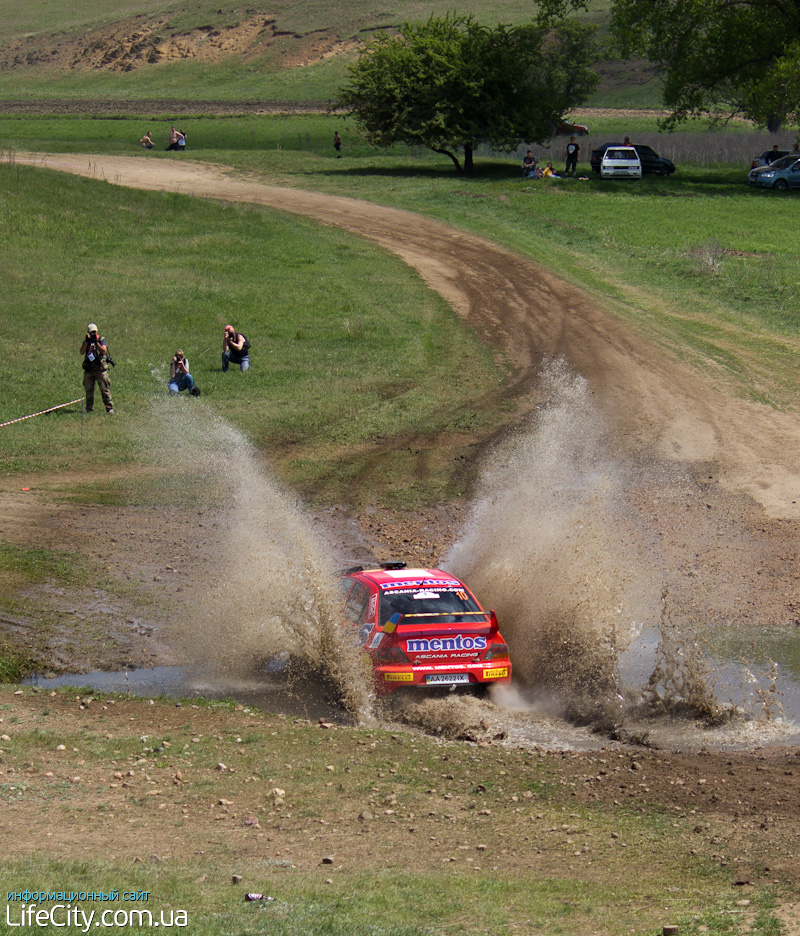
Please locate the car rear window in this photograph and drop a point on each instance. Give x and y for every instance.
(431, 606)
(622, 154)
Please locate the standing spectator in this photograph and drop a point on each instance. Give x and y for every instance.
(572, 153)
(627, 141)
(146, 141)
(95, 368)
(337, 144)
(179, 376)
(235, 349)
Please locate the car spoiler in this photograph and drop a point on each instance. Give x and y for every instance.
(407, 625)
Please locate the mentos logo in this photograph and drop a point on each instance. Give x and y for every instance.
(446, 643)
(419, 583)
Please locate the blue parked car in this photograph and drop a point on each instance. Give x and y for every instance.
(783, 174)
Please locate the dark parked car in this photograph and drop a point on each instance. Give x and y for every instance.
(767, 157)
(651, 162)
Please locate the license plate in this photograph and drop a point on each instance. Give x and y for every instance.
(446, 679)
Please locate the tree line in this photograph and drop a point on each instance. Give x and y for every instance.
(451, 84)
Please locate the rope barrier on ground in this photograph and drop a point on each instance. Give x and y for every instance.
(41, 412)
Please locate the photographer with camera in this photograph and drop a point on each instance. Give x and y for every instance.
(179, 376)
(95, 368)
(235, 349)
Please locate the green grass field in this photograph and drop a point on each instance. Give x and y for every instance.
(348, 345)
(285, 31)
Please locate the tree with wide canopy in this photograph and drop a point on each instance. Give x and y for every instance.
(451, 84)
(735, 57)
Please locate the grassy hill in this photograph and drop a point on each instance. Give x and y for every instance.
(199, 51)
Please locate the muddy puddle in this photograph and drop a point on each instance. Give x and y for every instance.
(271, 690)
(759, 702)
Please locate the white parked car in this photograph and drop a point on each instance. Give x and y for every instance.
(621, 162)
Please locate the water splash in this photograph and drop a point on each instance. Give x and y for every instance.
(270, 590)
(681, 682)
(551, 546)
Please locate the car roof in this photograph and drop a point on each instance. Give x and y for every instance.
(636, 146)
(406, 578)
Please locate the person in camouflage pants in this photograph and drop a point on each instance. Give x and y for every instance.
(95, 369)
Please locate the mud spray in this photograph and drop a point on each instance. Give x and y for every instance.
(552, 545)
(265, 596)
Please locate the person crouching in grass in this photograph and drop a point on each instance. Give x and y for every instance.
(179, 376)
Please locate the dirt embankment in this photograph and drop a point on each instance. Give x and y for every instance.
(141, 41)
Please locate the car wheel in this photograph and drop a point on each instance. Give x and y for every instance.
(664, 171)
(781, 185)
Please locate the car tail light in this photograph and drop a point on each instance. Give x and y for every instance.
(495, 650)
(390, 653)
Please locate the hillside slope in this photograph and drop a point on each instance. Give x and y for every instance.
(282, 50)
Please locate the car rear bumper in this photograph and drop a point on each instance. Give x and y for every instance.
(620, 174)
(457, 675)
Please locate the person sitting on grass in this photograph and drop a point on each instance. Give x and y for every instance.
(177, 140)
(549, 173)
(529, 165)
(146, 141)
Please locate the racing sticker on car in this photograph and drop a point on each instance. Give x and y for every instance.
(373, 600)
(498, 672)
(376, 640)
(419, 583)
(398, 677)
(460, 642)
(364, 632)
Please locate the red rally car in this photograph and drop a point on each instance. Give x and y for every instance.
(423, 628)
